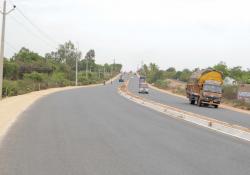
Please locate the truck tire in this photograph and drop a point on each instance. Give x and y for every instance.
(216, 106)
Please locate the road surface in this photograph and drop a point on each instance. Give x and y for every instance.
(226, 115)
(95, 131)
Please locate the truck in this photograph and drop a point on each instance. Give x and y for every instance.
(205, 87)
(143, 86)
(142, 79)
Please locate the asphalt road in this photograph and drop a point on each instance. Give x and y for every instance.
(95, 131)
(226, 115)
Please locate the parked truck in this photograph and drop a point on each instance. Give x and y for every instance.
(205, 87)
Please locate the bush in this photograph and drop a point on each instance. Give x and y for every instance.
(59, 79)
(34, 76)
(162, 83)
(25, 86)
(230, 92)
(10, 88)
(241, 104)
(10, 70)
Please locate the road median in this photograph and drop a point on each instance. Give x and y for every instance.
(216, 125)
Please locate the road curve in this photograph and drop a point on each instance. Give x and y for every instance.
(95, 131)
(226, 115)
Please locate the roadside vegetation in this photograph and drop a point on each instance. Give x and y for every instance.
(175, 80)
(28, 71)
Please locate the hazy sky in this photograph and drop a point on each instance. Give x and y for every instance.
(179, 33)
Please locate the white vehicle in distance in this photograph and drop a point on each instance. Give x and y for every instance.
(143, 88)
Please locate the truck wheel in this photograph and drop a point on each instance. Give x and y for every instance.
(216, 106)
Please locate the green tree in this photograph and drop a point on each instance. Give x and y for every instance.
(185, 75)
(27, 56)
(10, 70)
(66, 53)
(170, 72)
(90, 59)
(221, 66)
(236, 73)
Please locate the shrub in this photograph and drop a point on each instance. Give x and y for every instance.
(10, 70)
(34, 76)
(230, 92)
(59, 79)
(10, 88)
(162, 83)
(241, 104)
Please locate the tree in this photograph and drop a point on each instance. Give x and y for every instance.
(154, 73)
(236, 73)
(221, 66)
(171, 69)
(185, 75)
(66, 54)
(10, 70)
(27, 56)
(90, 55)
(170, 72)
(90, 59)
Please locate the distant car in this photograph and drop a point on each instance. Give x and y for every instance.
(121, 79)
(143, 88)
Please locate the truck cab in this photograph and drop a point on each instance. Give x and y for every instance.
(211, 94)
(205, 88)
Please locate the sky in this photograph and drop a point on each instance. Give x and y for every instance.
(170, 33)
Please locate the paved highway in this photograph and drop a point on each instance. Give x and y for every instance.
(226, 115)
(95, 131)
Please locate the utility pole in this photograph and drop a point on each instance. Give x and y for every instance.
(104, 71)
(77, 50)
(87, 68)
(112, 68)
(4, 13)
(99, 73)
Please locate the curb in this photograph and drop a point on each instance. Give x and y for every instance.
(216, 125)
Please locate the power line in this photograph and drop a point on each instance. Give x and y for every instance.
(44, 34)
(31, 32)
(11, 47)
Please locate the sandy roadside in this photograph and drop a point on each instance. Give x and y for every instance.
(12, 107)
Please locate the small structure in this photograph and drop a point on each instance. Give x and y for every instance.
(230, 81)
(244, 92)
